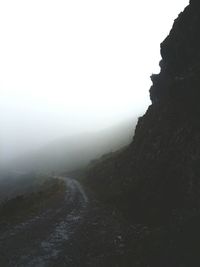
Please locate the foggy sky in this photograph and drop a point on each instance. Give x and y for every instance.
(76, 66)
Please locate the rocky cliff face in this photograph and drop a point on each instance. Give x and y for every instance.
(180, 65)
(166, 147)
(156, 180)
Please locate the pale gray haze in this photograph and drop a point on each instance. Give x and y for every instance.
(70, 67)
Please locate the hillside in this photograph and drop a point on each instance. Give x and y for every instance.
(66, 154)
(155, 181)
(29, 202)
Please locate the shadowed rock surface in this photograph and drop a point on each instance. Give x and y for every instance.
(156, 180)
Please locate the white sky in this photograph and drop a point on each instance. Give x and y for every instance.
(72, 65)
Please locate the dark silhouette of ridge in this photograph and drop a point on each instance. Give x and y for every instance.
(156, 180)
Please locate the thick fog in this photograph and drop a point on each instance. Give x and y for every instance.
(74, 67)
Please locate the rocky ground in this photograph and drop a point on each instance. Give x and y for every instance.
(65, 225)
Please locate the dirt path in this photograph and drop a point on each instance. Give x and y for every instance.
(39, 241)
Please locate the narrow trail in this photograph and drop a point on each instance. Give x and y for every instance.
(39, 241)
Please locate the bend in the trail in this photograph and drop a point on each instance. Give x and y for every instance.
(41, 240)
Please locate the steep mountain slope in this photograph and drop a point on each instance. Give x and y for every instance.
(156, 180)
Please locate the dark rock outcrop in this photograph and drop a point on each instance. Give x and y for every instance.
(156, 180)
(179, 78)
